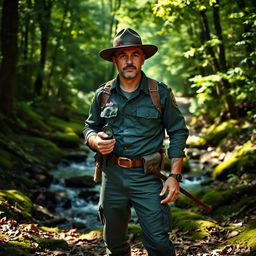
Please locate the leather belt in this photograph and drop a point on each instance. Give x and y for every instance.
(126, 162)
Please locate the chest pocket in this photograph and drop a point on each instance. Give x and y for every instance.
(109, 111)
(147, 113)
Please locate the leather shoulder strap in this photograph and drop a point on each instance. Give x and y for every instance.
(106, 93)
(154, 94)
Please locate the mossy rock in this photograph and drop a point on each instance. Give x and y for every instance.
(52, 244)
(184, 202)
(216, 132)
(17, 200)
(7, 249)
(65, 126)
(68, 139)
(30, 117)
(50, 229)
(242, 159)
(218, 197)
(92, 235)
(41, 150)
(192, 223)
(246, 238)
(25, 246)
(231, 209)
(6, 159)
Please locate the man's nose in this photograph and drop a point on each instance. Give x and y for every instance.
(129, 59)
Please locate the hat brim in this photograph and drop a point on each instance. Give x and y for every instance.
(148, 49)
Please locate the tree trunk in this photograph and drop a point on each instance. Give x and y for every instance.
(222, 59)
(9, 55)
(113, 29)
(207, 37)
(58, 41)
(44, 22)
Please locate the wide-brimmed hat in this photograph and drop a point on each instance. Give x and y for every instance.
(128, 38)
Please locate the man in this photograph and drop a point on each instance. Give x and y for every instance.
(139, 130)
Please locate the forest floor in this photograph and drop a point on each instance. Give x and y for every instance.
(92, 243)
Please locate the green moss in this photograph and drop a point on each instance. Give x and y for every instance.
(92, 234)
(216, 132)
(242, 159)
(7, 249)
(65, 126)
(228, 198)
(6, 159)
(184, 202)
(136, 231)
(246, 238)
(41, 149)
(68, 139)
(228, 210)
(52, 244)
(18, 200)
(192, 223)
(32, 118)
(22, 242)
(50, 229)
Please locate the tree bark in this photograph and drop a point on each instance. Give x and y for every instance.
(221, 88)
(44, 22)
(222, 59)
(9, 55)
(58, 41)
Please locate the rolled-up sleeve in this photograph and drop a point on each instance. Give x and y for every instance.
(175, 126)
(93, 123)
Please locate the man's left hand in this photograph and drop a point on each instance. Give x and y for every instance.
(171, 186)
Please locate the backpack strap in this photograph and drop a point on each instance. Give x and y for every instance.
(154, 94)
(106, 93)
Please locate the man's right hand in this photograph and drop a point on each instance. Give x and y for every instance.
(101, 143)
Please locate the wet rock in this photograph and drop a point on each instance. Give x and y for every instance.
(89, 195)
(77, 156)
(80, 182)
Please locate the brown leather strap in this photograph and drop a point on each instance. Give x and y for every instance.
(126, 162)
(154, 94)
(106, 93)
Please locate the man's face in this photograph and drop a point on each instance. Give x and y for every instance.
(129, 61)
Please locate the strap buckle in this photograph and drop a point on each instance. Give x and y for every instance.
(126, 164)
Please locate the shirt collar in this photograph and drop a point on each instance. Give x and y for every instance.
(143, 83)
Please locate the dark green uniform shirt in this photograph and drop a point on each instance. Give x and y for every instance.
(139, 128)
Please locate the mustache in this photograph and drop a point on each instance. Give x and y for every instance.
(129, 66)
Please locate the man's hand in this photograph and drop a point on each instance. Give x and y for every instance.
(171, 186)
(101, 143)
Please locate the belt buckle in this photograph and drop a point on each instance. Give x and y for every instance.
(129, 161)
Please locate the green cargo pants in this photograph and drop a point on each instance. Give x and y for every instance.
(125, 187)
